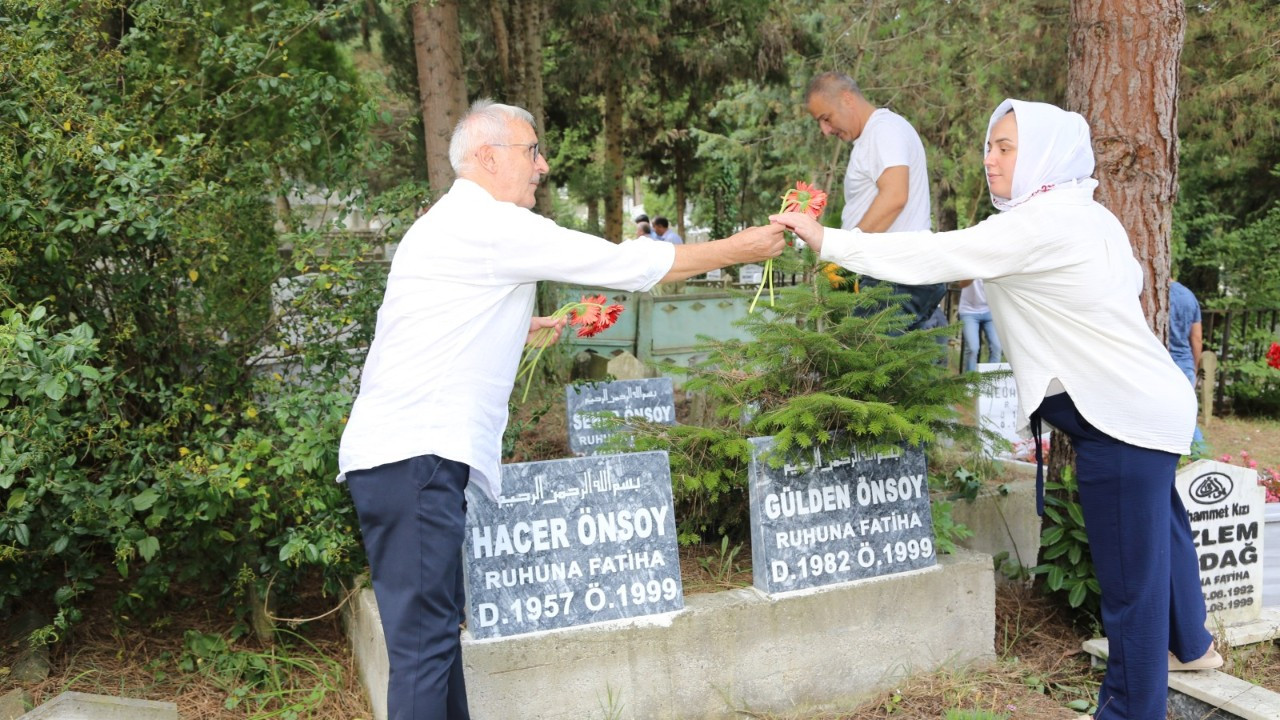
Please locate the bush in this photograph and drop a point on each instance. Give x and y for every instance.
(1254, 388)
(57, 420)
(826, 367)
(169, 414)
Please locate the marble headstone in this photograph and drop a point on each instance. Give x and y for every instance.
(572, 542)
(593, 407)
(750, 274)
(998, 409)
(1225, 505)
(838, 517)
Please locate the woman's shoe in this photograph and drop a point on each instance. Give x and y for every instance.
(1211, 660)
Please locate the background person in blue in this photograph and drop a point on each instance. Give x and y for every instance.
(1186, 341)
(662, 230)
(1062, 281)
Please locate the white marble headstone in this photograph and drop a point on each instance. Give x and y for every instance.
(998, 409)
(1225, 505)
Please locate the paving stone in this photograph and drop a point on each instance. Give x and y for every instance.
(14, 704)
(88, 706)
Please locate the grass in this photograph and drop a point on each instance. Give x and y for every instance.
(186, 657)
(1260, 437)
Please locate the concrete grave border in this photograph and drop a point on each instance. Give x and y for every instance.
(725, 652)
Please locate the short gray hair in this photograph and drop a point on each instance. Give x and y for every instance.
(830, 84)
(484, 124)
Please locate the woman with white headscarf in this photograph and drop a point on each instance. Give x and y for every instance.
(1063, 287)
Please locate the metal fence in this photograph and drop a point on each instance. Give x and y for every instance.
(1237, 336)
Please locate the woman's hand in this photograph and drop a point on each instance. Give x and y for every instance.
(806, 228)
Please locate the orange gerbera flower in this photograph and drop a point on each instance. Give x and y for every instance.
(590, 315)
(803, 198)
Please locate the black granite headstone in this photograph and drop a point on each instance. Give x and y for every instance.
(572, 542)
(592, 408)
(838, 518)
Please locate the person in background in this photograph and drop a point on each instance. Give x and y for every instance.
(643, 228)
(886, 186)
(662, 230)
(975, 319)
(1186, 341)
(432, 406)
(1061, 277)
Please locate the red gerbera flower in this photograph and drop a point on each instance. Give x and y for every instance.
(803, 198)
(591, 315)
(595, 318)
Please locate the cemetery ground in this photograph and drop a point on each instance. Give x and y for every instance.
(183, 654)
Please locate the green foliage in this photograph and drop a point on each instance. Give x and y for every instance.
(1229, 126)
(172, 384)
(269, 683)
(825, 368)
(723, 565)
(1255, 385)
(57, 413)
(946, 530)
(1244, 259)
(1064, 547)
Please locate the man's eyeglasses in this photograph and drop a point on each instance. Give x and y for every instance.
(533, 148)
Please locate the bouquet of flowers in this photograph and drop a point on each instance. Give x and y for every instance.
(590, 315)
(803, 198)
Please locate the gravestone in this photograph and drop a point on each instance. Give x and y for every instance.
(838, 517)
(750, 274)
(717, 274)
(998, 409)
(625, 366)
(1225, 506)
(594, 409)
(572, 542)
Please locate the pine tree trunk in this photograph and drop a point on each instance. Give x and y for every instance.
(497, 16)
(680, 195)
(1123, 77)
(614, 184)
(1124, 57)
(517, 39)
(442, 91)
(536, 15)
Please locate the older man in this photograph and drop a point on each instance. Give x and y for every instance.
(886, 187)
(433, 396)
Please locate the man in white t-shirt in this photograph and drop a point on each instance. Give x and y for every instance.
(432, 407)
(886, 187)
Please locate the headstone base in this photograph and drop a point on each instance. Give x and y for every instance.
(730, 652)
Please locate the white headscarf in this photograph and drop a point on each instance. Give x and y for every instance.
(1054, 151)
